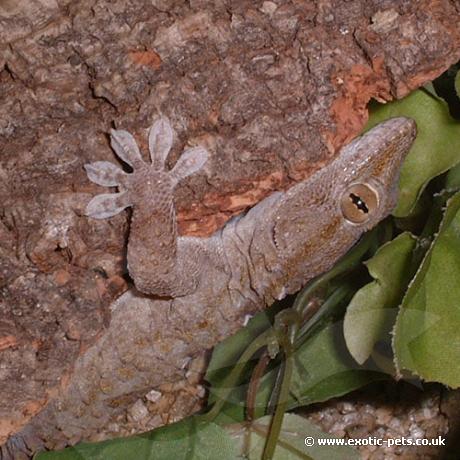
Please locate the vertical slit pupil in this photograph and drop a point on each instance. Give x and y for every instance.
(359, 203)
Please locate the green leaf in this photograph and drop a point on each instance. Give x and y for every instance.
(323, 369)
(190, 438)
(426, 338)
(453, 178)
(372, 311)
(292, 441)
(429, 87)
(435, 150)
(227, 352)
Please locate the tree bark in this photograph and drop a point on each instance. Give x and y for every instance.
(272, 88)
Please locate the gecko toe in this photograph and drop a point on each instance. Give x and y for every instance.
(107, 205)
(105, 173)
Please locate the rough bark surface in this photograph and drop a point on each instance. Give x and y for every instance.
(272, 88)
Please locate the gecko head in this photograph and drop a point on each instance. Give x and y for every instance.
(371, 164)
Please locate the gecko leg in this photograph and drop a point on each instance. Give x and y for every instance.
(160, 262)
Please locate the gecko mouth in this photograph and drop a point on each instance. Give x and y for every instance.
(359, 203)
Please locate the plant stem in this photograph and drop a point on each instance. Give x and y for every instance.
(277, 419)
(230, 382)
(254, 383)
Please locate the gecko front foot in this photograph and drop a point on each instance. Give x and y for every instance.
(154, 261)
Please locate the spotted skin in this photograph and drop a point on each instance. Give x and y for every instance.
(266, 253)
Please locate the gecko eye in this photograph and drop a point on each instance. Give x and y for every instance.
(358, 203)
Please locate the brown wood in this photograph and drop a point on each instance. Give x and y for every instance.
(272, 88)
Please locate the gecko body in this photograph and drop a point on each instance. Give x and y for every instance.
(266, 253)
(199, 290)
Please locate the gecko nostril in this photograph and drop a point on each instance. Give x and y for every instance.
(358, 203)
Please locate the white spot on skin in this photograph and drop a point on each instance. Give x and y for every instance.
(247, 319)
(384, 21)
(201, 391)
(186, 362)
(282, 294)
(138, 411)
(268, 8)
(153, 396)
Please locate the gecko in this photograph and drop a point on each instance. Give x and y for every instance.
(192, 292)
(271, 250)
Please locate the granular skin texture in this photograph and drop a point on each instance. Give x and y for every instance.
(272, 89)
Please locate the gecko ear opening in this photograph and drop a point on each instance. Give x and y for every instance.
(359, 203)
